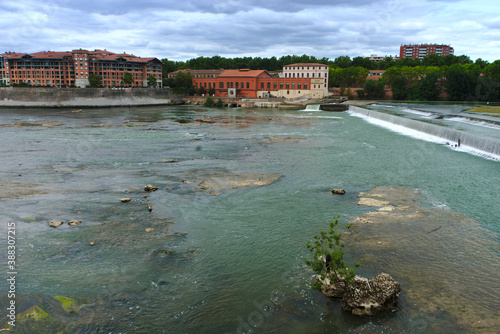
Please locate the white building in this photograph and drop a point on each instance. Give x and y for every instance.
(318, 73)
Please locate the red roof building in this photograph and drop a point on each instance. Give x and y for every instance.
(260, 83)
(72, 69)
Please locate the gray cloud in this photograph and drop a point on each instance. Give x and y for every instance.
(182, 30)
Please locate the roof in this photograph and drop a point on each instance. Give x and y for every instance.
(97, 55)
(306, 64)
(244, 73)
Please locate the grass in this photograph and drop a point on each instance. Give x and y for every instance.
(489, 110)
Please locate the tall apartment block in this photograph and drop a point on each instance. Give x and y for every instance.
(73, 68)
(419, 51)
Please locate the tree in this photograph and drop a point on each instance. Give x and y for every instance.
(428, 88)
(399, 88)
(459, 83)
(152, 81)
(374, 89)
(209, 102)
(343, 61)
(95, 80)
(219, 103)
(128, 78)
(328, 256)
(183, 84)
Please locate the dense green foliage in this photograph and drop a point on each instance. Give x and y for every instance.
(95, 80)
(128, 78)
(209, 102)
(152, 81)
(412, 79)
(328, 255)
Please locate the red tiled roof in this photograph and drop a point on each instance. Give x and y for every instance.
(244, 73)
(50, 54)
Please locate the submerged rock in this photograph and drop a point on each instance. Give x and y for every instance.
(219, 184)
(368, 297)
(373, 202)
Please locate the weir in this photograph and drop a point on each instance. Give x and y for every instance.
(314, 107)
(485, 144)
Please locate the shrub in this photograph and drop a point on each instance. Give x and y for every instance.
(328, 256)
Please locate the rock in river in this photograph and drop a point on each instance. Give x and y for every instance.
(338, 191)
(150, 187)
(125, 199)
(369, 297)
(74, 222)
(56, 223)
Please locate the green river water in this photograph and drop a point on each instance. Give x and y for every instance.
(233, 262)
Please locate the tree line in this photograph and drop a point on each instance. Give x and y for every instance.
(410, 79)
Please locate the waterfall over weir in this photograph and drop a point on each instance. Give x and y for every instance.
(484, 144)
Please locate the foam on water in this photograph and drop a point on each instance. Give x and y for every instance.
(427, 135)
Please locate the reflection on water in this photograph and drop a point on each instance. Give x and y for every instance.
(231, 261)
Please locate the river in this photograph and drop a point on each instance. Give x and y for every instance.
(241, 191)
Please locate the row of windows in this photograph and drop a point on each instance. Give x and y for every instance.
(241, 85)
(304, 67)
(292, 75)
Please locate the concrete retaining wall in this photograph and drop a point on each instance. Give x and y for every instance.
(84, 97)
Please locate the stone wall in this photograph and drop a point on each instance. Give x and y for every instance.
(84, 97)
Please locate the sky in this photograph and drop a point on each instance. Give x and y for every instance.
(182, 30)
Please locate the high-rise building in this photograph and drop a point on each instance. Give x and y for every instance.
(419, 51)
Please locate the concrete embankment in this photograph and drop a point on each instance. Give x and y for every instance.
(85, 97)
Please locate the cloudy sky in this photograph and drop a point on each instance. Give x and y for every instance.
(185, 29)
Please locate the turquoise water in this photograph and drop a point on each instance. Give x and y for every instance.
(230, 263)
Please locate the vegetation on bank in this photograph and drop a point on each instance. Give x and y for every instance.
(410, 79)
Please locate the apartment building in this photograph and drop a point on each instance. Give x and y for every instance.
(73, 69)
(419, 51)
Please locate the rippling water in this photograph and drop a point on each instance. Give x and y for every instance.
(232, 263)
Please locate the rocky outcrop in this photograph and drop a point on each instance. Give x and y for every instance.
(56, 223)
(74, 222)
(368, 297)
(365, 297)
(150, 187)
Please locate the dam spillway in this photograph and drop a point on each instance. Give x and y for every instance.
(488, 145)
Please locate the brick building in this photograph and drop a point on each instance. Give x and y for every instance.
(419, 51)
(297, 80)
(59, 69)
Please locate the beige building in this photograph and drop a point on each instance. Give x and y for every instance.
(318, 73)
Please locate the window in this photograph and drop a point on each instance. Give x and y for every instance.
(248, 84)
(293, 85)
(262, 85)
(268, 85)
(287, 85)
(281, 85)
(221, 85)
(275, 85)
(299, 85)
(305, 85)
(319, 75)
(237, 85)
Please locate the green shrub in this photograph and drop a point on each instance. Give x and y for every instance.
(328, 256)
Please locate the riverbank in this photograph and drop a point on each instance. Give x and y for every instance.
(43, 97)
